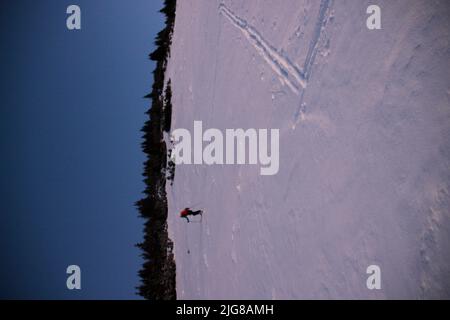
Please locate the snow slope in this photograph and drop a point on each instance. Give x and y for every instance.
(364, 119)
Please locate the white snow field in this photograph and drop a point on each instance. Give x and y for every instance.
(364, 177)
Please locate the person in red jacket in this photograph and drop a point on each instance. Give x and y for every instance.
(188, 212)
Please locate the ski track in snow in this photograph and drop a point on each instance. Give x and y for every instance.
(289, 74)
(313, 47)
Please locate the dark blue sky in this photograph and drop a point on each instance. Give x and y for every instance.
(71, 114)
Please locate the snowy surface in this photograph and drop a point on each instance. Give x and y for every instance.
(364, 119)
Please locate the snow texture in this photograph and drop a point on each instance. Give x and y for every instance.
(364, 119)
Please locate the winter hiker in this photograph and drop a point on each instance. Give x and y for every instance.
(188, 212)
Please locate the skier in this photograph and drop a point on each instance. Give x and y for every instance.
(188, 212)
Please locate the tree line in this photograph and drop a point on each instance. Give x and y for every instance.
(158, 271)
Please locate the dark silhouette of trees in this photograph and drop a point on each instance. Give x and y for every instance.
(167, 123)
(158, 271)
(167, 107)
